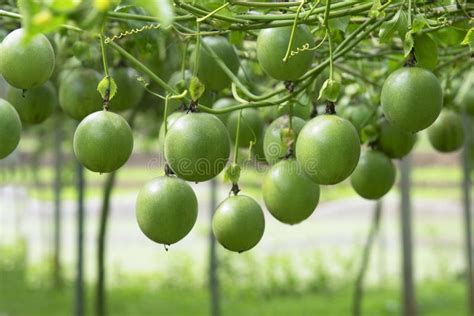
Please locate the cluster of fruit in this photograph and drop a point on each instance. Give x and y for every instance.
(303, 153)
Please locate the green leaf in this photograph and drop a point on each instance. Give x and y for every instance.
(107, 84)
(408, 43)
(469, 39)
(161, 9)
(387, 29)
(418, 24)
(330, 90)
(236, 37)
(339, 23)
(232, 173)
(426, 51)
(196, 88)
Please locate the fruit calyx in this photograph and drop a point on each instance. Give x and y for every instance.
(290, 86)
(192, 107)
(330, 108)
(410, 61)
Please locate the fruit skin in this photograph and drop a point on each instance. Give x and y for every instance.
(129, 90)
(197, 147)
(103, 141)
(447, 132)
(374, 175)
(359, 115)
(161, 136)
(78, 95)
(10, 128)
(34, 105)
(26, 65)
(288, 193)
(393, 141)
(467, 102)
(328, 149)
(272, 45)
(251, 126)
(209, 72)
(222, 104)
(273, 146)
(166, 209)
(411, 98)
(238, 223)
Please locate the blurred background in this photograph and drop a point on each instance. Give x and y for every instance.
(52, 220)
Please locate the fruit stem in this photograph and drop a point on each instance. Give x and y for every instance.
(198, 45)
(165, 115)
(237, 136)
(105, 101)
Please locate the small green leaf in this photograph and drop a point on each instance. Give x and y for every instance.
(107, 86)
(339, 23)
(408, 43)
(418, 24)
(330, 90)
(387, 29)
(196, 88)
(232, 173)
(426, 51)
(469, 39)
(236, 37)
(402, 25)
(374, 11)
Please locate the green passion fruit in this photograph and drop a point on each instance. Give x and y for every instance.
(359, 115)
(374, 175)
(161, 136)
(222, 104)
(328, 149)
(289, 194)
(394, 141)
(467, 102)
(238, 223)
(273, 145)
(166, 209)
(10, 128)
(251, 126)
(26, 63)
(411, 98)
(272, 44)
(103, 141)
(78, 95)
(34, 105)
(129, 90)
(197, 147)
(209, 72)
(447, 132)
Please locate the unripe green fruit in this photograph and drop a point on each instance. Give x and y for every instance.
(273, 146)
(393, 141)
(359, 115)
(328, 149)
(26, 65)
(272, 44)
(238, 223)
(447, 132)
(222, 104)
(129, 90)
(251, 126)
(289, 194)
(411, 98)
(197, 147)
(34, 105)
(374, 175)
(161, 137)
(10, 129)
(209, 72)
(467, 102)
(103, 142)
(78, 95)
(166, 209)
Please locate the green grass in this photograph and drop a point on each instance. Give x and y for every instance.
(18, 296)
